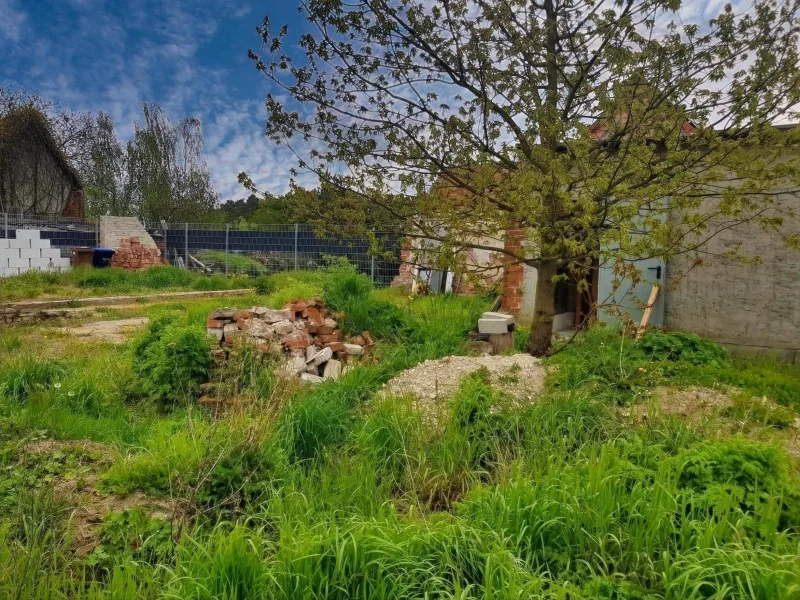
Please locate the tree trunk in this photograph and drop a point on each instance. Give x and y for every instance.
(541, 336)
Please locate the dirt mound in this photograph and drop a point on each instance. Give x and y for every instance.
(520, 375)
(694, 403)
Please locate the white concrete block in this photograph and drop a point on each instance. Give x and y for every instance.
(28, 234)
(8, 272)
(3, 243)
(19, 263)
(37, 243)
(41, 263)
(62, 262)
(3, 262)
(9, 252)
(19, 243)
(497, 315)
(492, 326)
(51, 252)
(30, 252)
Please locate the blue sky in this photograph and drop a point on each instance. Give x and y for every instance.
(188, 56)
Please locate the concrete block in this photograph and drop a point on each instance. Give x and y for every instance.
(3, 262)
(333, 369)
(492, 326)
(3, 243)
(9, 272)
(28, 234)
(30, 252)
(9, 252)
(62, 262)
(51, 253)
(38, 243)
(41, 263)
(497, 315)
(19, 243)
(19, 263)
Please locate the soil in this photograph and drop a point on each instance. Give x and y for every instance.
(521, 376)
(694, 403)
(91, 506)
(113, 332)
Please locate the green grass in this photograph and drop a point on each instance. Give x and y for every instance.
(338, 492)
(87, 281)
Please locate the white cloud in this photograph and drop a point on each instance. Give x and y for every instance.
(12, 21)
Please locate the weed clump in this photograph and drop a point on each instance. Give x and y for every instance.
(172, 361)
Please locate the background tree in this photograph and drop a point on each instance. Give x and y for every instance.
(105, 174)
(168, 176)
(609, 131)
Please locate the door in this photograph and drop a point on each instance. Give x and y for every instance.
(630, 298)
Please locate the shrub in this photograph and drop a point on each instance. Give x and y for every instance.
(686, 347)
(133, 533)
(172, 361)
(353, 296)
(264, 285)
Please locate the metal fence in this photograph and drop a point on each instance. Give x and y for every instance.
(64, 233)
(263, 249)
(227, 248)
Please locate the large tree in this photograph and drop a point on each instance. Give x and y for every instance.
(607, 130)
(167, 173)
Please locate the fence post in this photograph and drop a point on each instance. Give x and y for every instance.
(296, 235)
(97, 232)
(227, 231)
(5, 226)
(166, 250)
(186, 243)
(372, 264)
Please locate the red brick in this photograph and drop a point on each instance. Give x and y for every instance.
(313, 316)
(215, 323)
(325, 330)
(243, 314)
(303, 343)
(335, 346)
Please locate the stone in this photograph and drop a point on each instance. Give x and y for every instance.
(353, 349)
(217, 332)
(284, 327)
(230, 330)
(309, 378)
(223, 313)
(322, 356)
(258, 329)
(479, 347)
(335, 346)
(359, 339)
(367, 338)
(296, 365)
(270, 315)
(311, 368)
(492, 326)
(501, 342)
(330, 323)
(333, 369)
(311, 352)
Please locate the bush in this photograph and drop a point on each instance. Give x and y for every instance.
(172, 361)
(264, 285)
(686, 347)
(353, 296)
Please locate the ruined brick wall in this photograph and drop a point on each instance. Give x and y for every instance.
(133, 255)
(513, 275)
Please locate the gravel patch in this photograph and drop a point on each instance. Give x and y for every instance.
(520, 376)
(114, 332)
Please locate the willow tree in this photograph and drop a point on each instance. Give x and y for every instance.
(607, 131)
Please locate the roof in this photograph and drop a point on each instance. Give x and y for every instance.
(26, 123)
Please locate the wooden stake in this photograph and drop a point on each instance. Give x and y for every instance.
(648, 309)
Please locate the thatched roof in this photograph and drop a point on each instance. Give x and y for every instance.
(22, 125)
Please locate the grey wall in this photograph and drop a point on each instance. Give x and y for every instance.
(752, 307)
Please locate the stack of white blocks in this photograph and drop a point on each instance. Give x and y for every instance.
(29, 251)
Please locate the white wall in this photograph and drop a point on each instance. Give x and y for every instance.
(28, 251)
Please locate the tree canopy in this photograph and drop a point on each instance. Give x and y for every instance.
(608, 131)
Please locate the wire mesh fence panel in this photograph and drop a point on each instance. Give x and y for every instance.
(65, 233)
(264, 249)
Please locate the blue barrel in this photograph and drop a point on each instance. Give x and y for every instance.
(101, 257)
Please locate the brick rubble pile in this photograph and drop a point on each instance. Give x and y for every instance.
(303, 329)
(132, 255)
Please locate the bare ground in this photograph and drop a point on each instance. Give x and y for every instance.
(521, 376)
(113, 332)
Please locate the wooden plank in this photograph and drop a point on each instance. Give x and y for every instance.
(647, 311)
